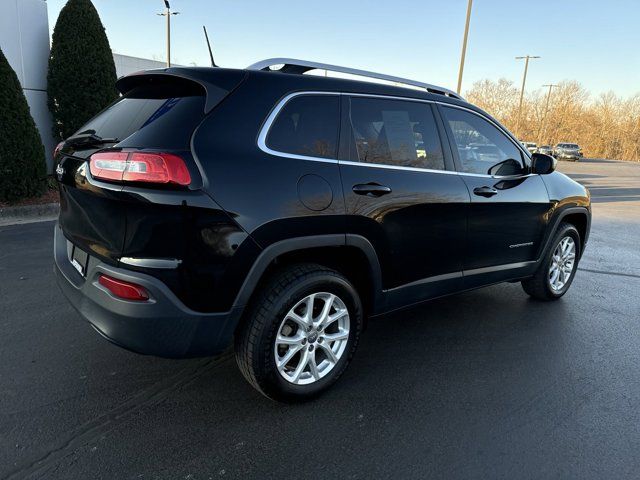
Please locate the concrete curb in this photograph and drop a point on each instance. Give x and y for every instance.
(28, 213)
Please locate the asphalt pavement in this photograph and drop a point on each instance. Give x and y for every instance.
(485, 384)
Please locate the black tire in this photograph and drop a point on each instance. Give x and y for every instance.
(539, 286)
(255, 339)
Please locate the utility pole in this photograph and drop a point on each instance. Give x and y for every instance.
(546, 111)
(168, 14)
(524, 80)
(464, 46)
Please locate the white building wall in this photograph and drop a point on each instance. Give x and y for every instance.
(126, 64)
(24, 39)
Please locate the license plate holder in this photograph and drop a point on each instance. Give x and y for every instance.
(79, 260)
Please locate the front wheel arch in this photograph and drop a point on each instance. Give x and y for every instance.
(579, 217)
(538, 286)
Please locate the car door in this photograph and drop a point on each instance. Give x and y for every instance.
(509, 206)
(402, 194)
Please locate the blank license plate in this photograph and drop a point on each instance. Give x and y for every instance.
(79, 260)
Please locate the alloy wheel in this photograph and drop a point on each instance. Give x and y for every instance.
(562, 263)
(312, 338)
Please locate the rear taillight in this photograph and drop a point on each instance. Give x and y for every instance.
(122, 289)
(140, 167)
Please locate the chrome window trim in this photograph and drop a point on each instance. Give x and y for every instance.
(395, 167)
(268, 122)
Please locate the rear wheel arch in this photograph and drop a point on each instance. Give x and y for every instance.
(351, 255)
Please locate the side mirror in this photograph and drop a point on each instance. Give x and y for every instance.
(542, 164)
(506, 167)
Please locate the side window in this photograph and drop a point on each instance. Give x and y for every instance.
(482, 148)
(395, 132)
(307, 125)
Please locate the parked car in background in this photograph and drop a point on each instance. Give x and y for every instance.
(530, 146)
(567, 151)
(276, 212)
(546, 149)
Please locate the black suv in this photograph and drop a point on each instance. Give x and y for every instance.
(277, 212)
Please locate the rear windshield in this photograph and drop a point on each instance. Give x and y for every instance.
(150, 118)
(568, 145)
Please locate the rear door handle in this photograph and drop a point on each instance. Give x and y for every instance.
(485, 191)
(371, 189)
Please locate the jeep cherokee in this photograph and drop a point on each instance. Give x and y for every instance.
(276, 212)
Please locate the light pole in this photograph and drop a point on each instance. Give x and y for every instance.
(464, 46)
(546, 111)
(524, 80)
(168, 14)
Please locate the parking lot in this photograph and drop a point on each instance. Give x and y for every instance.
(485, 384)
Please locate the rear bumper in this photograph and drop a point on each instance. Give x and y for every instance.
(161, 326)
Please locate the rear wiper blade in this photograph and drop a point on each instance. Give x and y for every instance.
(88, 139)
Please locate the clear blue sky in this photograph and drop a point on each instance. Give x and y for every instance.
(596, 42)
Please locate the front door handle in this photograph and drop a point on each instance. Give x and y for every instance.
(485, 191)
(371, 189)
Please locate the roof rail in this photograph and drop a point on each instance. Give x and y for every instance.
(291, 65)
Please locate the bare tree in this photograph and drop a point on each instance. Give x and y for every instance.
(606, 127)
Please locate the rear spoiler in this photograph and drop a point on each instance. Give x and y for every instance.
(214, 83)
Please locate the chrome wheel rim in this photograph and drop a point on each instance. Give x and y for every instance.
(562, 263)
(312, 338)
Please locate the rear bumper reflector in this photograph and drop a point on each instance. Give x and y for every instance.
(122, 289)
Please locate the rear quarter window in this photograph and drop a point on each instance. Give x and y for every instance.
(307, 125)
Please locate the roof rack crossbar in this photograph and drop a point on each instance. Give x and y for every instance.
(292, 65)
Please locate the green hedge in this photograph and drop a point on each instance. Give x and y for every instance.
(22, 161)
(82, 75)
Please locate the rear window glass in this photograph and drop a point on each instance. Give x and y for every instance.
(307, 125)
(150, 118)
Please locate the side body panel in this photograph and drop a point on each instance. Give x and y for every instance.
(507, 219)
(264, 192)
(418, 230)
(508, 227)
